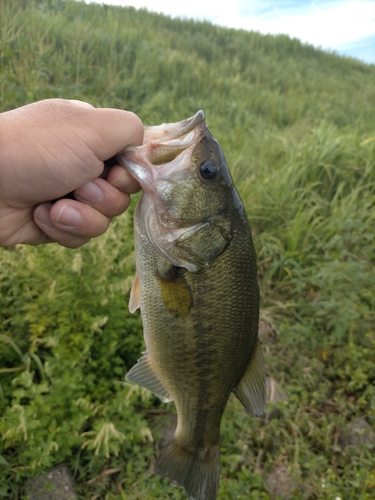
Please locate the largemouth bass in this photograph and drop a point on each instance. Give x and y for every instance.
(196, 286)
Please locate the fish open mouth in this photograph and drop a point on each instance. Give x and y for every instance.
(163, 143)
(167, 132)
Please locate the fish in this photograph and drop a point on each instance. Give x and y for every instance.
(197, 290)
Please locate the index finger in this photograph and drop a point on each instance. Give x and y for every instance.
(123, 180)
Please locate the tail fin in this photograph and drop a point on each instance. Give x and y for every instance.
(198, 471)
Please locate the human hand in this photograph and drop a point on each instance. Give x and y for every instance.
(51, 148)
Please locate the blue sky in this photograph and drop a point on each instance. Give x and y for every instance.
(344, 26)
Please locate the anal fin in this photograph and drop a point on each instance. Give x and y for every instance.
(251, 389)
(143, 374)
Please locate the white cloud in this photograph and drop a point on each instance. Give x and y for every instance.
(327, 24)
(196, 9)
(327, 27)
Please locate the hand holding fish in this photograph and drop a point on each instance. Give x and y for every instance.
(54, 147)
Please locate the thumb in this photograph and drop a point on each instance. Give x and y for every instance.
(112, 130)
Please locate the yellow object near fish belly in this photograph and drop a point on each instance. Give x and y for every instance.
(196, 286)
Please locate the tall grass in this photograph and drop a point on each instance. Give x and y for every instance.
(298, 130)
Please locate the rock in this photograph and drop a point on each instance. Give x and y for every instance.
(357, 433)
(266, 333)
(57, 484)
(281, 484)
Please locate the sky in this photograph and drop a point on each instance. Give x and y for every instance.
(344, 26)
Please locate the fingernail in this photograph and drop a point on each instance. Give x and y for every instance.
(89, 192)
(42, 214)
(68, 216)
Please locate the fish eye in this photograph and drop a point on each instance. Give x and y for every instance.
(208, 170)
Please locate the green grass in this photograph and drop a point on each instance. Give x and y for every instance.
(298, 130)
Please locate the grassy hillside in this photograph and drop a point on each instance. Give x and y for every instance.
(298, 130)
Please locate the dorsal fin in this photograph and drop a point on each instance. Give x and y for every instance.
(251, 389)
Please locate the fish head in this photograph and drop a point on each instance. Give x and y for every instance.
(188, 194)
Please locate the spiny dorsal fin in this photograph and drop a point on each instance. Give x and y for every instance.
(251, 389)
(135, 295)
(143, 374)
(175, 292)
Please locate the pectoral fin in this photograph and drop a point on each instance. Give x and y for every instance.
(251, 390)
(144, 374)
(175, 292)
(135, 295)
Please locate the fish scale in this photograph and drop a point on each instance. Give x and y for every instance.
(196, 286)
